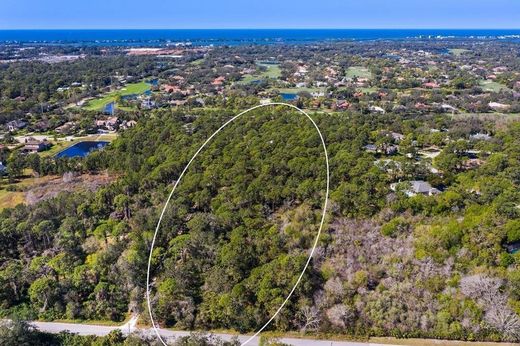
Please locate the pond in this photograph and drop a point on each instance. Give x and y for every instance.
(82, 149)
(109, 108)
(289, 96)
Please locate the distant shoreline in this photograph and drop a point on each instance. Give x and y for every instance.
(198, 37)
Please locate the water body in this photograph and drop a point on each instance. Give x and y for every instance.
(288, 96)
(82, 149)
(109, 108)
(237, 36)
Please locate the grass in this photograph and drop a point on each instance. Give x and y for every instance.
(273, 72)
(368, 90)
(359, 72)
(10, 199)
(197, 62)
(106, 137)
(458, 51)
(492, 86)
(129, 89)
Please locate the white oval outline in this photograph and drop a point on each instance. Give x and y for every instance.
(324, 212)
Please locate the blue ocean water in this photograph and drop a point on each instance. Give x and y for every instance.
(162, 37)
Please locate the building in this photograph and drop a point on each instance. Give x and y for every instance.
(108, 124)
(66, 128)
(33, 145)
(415, 187)
(480, 137)
(16, 125)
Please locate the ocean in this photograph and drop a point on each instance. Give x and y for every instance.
(160, 37)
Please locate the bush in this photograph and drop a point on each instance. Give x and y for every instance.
(395, 226)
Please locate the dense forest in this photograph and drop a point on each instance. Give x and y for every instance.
(237, 232)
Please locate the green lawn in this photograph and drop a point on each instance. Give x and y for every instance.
(491, 86)
(273, 72)
(197, 62)
(359, 72)
(129, 89)
(458, 51)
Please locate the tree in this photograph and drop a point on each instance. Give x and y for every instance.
(43, 292)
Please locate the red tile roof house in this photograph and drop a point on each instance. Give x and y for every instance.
(431, 85)
(171, 88)
(219, 80)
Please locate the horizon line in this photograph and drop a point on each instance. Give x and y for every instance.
(271, 28)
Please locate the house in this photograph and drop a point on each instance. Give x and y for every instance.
(66, 128)
(480, 137)
(170, 88)
(33, 145)
(430, 152)
(448, 108)
(342, 105)
(498, 106)
(415, 187)
(431, 85)
(371, 148)
(15, 125)
(109, 123)
(396, 136)
(375, 109)
(128, 124)
(472, 163)
(148, 104)
(218, 81)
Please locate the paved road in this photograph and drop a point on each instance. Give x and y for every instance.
(130, 326)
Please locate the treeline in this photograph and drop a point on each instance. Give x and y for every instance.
(235, 235)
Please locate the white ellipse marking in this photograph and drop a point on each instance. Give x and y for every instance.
(324, 211)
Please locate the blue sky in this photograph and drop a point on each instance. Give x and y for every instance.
(122, 14)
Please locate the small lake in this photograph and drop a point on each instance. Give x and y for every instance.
(82, 149)
(289, 96)
(109, 108)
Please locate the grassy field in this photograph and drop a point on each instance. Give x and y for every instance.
(492, 86)
(197, 62)
(129, 89)
(10, 199)
(273, 72)
(458, 51)
(359, 72)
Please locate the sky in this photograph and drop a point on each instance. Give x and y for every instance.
(182, 14)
